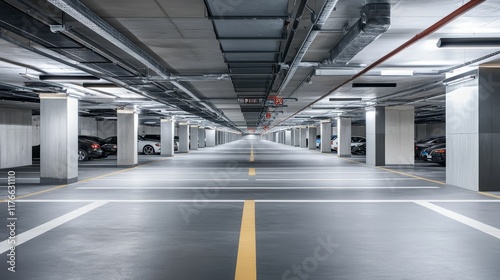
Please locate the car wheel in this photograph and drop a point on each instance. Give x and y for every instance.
(82, 155)
(148, 150)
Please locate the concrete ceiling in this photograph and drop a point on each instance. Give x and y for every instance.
(212, 59)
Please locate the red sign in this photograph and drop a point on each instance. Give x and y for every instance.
(278, 101)
(268, 115)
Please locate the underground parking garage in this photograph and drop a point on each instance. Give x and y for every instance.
(216, 139)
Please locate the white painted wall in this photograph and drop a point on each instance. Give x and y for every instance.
(15, 137)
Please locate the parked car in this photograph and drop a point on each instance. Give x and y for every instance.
(145, 146)
(107, 148)
(355, 141)
(155, 137)
(318, 140)
(426, 153)
(426, 143)
(439, 156)
(176, 143)
(359, 149)
(88, 149)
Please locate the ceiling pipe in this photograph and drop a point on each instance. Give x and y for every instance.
(433, 28)
(87, 17)
(311, 36)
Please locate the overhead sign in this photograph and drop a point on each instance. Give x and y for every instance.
(252, 100)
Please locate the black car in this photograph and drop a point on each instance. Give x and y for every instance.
(426, 153)
(88, 149)
(107, 148)
(359, 149)
(438, 156)
(426, 143)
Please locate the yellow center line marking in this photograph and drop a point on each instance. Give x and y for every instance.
(252, 156)
(490, 195)
(246, 262)
(82, 181)
(251, 172)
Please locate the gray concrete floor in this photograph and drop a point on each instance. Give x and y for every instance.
(316, 217)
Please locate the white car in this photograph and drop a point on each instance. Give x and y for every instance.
(355, 141)
(148, 147)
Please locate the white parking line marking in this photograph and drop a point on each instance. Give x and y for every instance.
(495, 232)
(41, 229)
(338, 179)
(250, 188)
(260, 201)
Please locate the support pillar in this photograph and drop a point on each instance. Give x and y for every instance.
(344, 137)
(58, 139)
(311, 141)
(210, 135)
(326, 137)
(296, 140)
(288, 137)
(303, 137)
(202, 139)
(473, 131)
(400, 135)
(375, 136)
(183, 138)
(194, 137)
(16, 137)
(128, 124)
(167, 137)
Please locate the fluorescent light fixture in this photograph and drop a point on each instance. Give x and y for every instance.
(335, 72)
(345, 99)
(396, 72)
(68, 78)
(373, 85)
(468, 43)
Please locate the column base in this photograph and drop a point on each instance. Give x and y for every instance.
(57, 181)
(345, 156)
(127, 165)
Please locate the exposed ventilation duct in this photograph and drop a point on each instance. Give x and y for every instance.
(375, 20)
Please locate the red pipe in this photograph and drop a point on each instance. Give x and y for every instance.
(433, 28)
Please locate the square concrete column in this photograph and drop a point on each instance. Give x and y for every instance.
(375, 136)
(292, 137)
(210, 135)
(167, 137)
(344, 137)
(183, 138)
(202, 137)
(473, 130)
(296, 137)
(194, 137)
(400, 135)
(16, 135)
(288, 137)
(311, 141)
(326, 137)
(303, 136)
(128, 123)
(58, 139)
